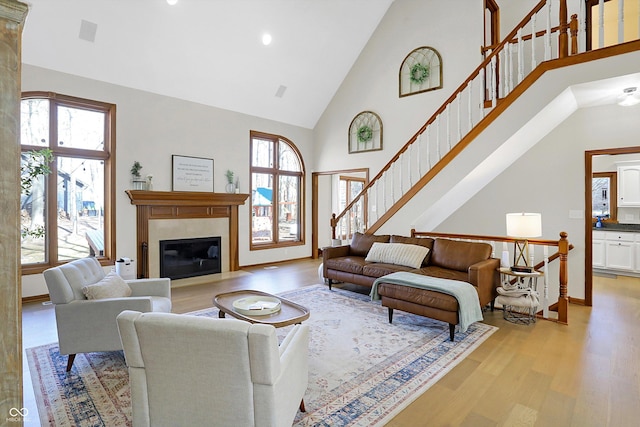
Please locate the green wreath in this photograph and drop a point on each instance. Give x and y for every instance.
(418, 73)
(364, 133)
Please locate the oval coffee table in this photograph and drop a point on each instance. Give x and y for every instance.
(289, 314)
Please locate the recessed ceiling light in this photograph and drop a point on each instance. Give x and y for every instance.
(172, 2)
(629, 97)
(266, 39)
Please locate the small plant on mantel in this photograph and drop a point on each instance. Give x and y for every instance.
(138, 182)
(230, 188)
(135, 169)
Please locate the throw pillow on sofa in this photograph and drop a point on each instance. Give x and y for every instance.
(111, 286)
(397, 253)
(427, 242)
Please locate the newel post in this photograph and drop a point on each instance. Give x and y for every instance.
(573, 29)
(333, 226)
(563, 299)
(563, 40)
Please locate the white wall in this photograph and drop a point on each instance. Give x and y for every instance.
(372, 83)
(150, 128)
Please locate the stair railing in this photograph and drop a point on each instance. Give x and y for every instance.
(563, 245)
(455, 123)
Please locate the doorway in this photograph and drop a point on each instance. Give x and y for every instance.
(588, 224)
(324, 186)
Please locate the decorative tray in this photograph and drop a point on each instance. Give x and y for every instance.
(257, 305)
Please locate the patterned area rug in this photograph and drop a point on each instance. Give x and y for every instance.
(362, 370)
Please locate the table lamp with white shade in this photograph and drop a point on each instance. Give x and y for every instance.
(522, 226)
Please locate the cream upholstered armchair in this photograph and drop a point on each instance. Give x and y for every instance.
(199, 371)
(87, 303)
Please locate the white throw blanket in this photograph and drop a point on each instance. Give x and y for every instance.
(469, 310)
(518, 297)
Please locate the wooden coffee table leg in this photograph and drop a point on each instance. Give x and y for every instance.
(221, 314)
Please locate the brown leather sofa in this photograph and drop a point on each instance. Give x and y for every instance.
(449, 259)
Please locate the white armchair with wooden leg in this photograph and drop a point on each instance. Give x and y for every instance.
(87, 302)
(199, 371)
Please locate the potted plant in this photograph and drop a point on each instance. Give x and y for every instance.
(230, 187)
(138, 182)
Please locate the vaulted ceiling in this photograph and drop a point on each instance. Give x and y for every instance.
(209, 51)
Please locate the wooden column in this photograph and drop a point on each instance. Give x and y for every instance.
(152, 205)
(12, 16)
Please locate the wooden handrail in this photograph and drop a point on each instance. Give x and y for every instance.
(563, 250)
(573, 27)
(443, 107)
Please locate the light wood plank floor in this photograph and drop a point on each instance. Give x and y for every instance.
(584, 374)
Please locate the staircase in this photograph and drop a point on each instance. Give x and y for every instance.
(545, 42)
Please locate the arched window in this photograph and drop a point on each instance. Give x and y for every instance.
(277, 192)
(66, 214)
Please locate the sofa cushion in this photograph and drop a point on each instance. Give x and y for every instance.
(347, 264)
(111, 286)
(397, 253)
(458, 255)
(427, 242)
(361, 243)
(443, 273)
(379, 269)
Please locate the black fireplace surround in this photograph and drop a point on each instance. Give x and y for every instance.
(182, 258)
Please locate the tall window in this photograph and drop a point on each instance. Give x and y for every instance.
(67, 213)
(277, 180)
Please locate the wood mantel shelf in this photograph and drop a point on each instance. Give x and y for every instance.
(184, 198)
(152, 205)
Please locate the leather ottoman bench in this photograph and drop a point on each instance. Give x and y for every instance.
(423, 302)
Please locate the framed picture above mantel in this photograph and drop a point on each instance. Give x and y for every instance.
(192, 173)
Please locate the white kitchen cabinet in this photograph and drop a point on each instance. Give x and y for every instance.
(620, 250)
(620, 255)
(599, 251)
(629, 185)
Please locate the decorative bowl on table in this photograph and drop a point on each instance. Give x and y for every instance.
(257, 305)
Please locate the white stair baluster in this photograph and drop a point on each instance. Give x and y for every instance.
(601, 26)
(438, 136)
(582, 24)
(418, 142)
(520, 57)
(547, 34)
(469, 104)
(392, 184)
(458, 101)
(545, 293)
(428, 147)
(448, 128)
(533, 42)
(620, 21)
(494, 82)
(400, 169)
(481, 89)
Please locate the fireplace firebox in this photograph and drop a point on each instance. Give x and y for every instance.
(182, 258)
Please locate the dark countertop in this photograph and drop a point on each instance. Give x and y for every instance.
(619, 227)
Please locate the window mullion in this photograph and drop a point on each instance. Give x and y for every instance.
(274, 205)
